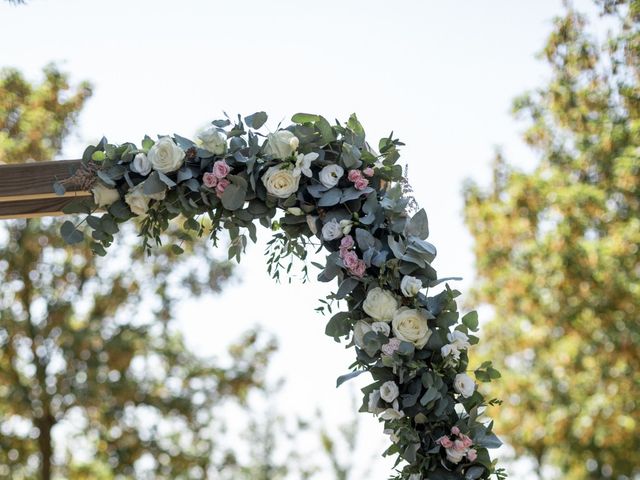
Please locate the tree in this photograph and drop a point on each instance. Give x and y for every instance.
(558, 259)
(90, 365)
(36, 118)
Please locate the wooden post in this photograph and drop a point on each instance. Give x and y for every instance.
(26, 190)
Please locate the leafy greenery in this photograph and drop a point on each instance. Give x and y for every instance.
(558, 257)
(317, 184)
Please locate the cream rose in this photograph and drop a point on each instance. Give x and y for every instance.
(389, 391)
(330, 175)
(213, 140)
(281, 144)
(380, 304)
(410, 286)
(165, 156)
(410, 325)
(141, 164)
(464, 385)
(280, 182)
(360, 329)
(136, 199)
(104, 196)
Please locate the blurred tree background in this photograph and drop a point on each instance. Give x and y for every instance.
(87, 352)
(557, 253)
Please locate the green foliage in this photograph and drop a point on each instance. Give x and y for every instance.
(334, 191)
(558, 257)
(35, 118)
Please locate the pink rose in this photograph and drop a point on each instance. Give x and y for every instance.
(455, 431)
(347, 242)
(221, 169)
(350, 259)
(459, 446)
(222, 184)
(354, 175)
(209, 180)
(359, 270)
(361, 183)
(391, 346)
(472, 455)
(466, 441)
(368, 172)
(445, 441)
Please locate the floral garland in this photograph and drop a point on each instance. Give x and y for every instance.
(336, 189)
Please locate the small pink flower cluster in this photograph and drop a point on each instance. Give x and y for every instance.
(357, 177)
(216, 179)
(355, 265)
(458, 447)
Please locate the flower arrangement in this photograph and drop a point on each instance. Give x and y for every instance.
(333, 188)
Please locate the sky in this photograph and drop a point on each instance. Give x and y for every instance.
(441, 75)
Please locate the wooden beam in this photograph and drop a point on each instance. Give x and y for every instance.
(26, 190)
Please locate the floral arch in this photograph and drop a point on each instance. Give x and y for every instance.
(332, 185)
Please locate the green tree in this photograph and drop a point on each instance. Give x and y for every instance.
(558, 259)
(90, 366)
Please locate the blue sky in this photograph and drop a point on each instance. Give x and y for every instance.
(441, 75)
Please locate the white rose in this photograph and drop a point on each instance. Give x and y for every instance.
(331, 230)
(464, 385)
(330, 175)
(410, 325)
(303, 163)
(459, 340)
(141, 164)
(104, 196)
(280, 182)
(410, 286)
(450, 350)
(166, 156)
(374, 398)
(360, 329)
(381, 327)
(380, 304)
(136, 199)
(389, 391)
(213, 140)
(281, 144)
(391, 414)
(454, 456)
(346, 226)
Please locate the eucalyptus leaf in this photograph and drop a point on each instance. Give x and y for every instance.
(233, 197)
(348, 376)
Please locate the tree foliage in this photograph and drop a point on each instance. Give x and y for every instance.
(557, 252)
(36, 117)
(90, 366)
